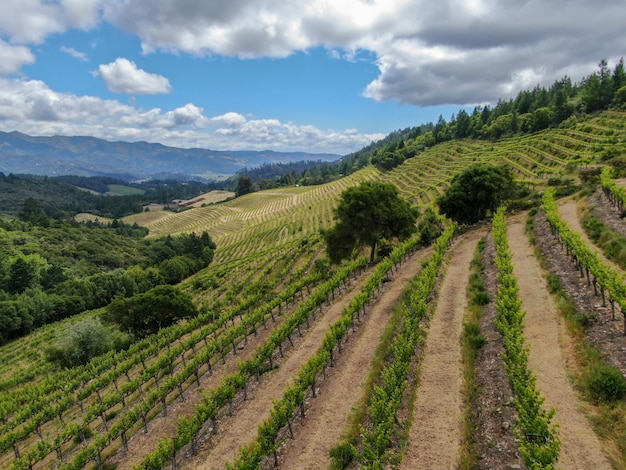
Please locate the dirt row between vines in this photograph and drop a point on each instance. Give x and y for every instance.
(241, 428)
(327, 416)
(606, 332)
(550, 351)
(165, 425)
(435, 438)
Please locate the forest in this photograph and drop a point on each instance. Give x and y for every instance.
(50, 270)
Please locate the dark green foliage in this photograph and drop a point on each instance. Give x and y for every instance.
(367, 214)
(429, 227)
(606, 384)
(22, 275)
(245, 185)
(612, 243)
(342, 455)
(33, 213)
(51, 273)
(81, 342)
(38, 199)
(473, 336)
(475, 192)
(144, 314)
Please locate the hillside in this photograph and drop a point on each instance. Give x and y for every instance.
(278, 329)
(89, 156)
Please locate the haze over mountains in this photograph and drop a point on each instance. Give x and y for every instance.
(90, 156)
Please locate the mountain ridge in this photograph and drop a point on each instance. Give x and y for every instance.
(91, 156)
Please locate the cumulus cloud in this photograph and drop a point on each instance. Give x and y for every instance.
(428, 53)
(30, 106)
(123, 76)
(31, 21)
(229, 119)
(13, 58)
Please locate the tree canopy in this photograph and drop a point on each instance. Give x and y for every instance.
(476, 191)
(144, 314)
(367, 214)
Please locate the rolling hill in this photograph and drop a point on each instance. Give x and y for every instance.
(272, 322)
(89, 156)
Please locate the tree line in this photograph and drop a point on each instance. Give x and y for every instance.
(530, 111)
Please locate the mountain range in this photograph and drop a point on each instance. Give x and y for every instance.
(90, 156)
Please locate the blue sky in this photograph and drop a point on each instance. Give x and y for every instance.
(309, 75)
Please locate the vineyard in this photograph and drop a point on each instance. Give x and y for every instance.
(284, 345)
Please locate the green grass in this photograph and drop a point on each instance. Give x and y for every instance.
(120, 190)
(472, 341)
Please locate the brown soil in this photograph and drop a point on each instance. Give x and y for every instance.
(606, 330)
(568, 211)
(493, 411)
(436, 435)
(549, 351)
(166, 426)
(241, 428)
(327, 416)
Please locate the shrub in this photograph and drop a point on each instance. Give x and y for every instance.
(606, 384)
(81, 342)
(473, 336)
(342, 455)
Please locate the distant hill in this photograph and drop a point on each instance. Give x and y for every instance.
(90, 156)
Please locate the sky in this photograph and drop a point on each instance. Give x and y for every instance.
(287, 75)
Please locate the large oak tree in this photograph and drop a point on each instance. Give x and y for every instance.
(367, 214)
(475, 192)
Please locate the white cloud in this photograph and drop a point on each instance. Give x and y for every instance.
(123, 76)
(428, 53)
(74, 53)
(13, 58)
(229, 119)
(30, 106)
(31, 21)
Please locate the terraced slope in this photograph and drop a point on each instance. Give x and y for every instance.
(258, 296)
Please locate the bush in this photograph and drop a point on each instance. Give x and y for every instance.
(606, 384)
(473, 336)
(81, 342)
(342, 455)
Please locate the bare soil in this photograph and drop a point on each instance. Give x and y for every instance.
(493, 410)
(550, 350)
(241, 429)
(605, 330)
(327, 416)
(436, 435)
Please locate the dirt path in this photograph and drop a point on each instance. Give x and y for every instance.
(242, 427)
(328, 415)
(568, 211)
(549, 353)
(436, 434)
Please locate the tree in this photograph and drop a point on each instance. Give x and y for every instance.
(22, 275)
(144, 314)
(367, 214)
(245, 185)
(81, 342)
(476, 191)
